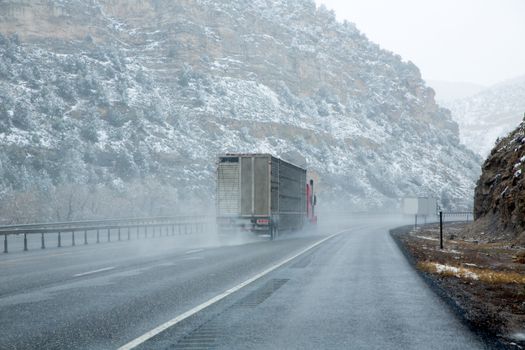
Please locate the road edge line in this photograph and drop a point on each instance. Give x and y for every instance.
(95, 271)
(159, 329)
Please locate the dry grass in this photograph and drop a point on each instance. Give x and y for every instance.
(483, 275)
(499, 277)
(519, 258)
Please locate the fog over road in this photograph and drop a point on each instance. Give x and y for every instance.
(353, 291)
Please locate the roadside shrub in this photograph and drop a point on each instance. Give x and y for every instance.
(89, 132)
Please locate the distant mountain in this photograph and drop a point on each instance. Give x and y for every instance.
(489, 114)
(448, 91)
(132, 100)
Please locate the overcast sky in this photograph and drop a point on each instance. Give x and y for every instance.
(478, 41)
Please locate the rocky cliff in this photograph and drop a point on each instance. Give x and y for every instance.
(111, 92)
(500, 191)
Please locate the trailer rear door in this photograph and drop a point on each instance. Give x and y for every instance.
(262, 186)
(255, 186)
(228, 187)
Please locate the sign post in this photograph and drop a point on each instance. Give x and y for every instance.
(441, 230)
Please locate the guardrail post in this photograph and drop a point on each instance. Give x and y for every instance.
(43, 246)
(129, 233)
(59, 240)
(138, 232)
(119, 233)
(73, 238)
(440, 230)
(185, 228)
(109, 235)
(85, 237)
(5, 243)
(173, 229)
(25, 242)
(153, 231)
(98, 236)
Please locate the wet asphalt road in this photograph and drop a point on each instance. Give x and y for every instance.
(354, 291)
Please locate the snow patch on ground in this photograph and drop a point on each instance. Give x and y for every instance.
(457, 271)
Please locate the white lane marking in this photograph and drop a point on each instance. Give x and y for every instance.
(143, 338)
(94, 271)
(167, 264)
(193, 258)
(194, 251)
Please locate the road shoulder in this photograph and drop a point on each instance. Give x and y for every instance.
(451, 278)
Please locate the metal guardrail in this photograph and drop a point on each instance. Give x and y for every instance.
(145, 220)
(468, 215)
(455, 216)
(442, 215)
(139, 227)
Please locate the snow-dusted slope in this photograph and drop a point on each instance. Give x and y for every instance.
(106, 92)
(489, 114)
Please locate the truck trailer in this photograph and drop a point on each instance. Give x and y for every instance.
(263, 194)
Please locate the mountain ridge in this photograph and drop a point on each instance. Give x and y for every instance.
(489, 114)
(155, 89)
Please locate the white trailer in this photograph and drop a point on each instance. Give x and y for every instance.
(263, 194)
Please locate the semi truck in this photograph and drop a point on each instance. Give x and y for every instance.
(263, 194)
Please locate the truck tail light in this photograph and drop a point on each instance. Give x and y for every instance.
(263, 221)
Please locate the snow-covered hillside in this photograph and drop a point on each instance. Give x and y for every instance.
(489, 114)
(113, 95)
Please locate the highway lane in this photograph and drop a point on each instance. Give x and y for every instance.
(353, 291)
(85, 297)
(356, 291)
(24, 270)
